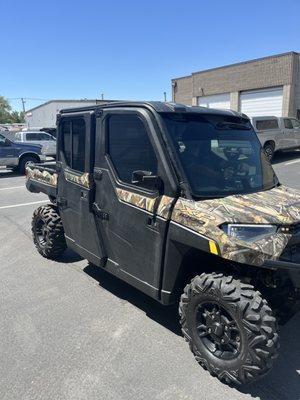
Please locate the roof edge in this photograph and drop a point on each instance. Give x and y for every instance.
(238, 63)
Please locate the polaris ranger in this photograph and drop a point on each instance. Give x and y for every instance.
(182, 203)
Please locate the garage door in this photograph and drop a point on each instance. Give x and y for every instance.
(259, 103)
(215, 101)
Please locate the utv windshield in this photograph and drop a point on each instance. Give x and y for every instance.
(220, 155)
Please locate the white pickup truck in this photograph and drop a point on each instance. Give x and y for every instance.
(44, 139)
(277, 133)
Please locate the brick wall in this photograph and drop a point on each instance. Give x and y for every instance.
(257, 74)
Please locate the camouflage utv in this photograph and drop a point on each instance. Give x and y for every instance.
(182, 203)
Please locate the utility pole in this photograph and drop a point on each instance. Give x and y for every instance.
(165, 96)
(23, 104)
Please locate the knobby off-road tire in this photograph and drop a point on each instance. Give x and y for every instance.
(246, 319)
(47, 231)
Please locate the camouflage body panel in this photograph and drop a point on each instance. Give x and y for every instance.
(41, 175)
(160, 205)
(279, 206)
(82, 179)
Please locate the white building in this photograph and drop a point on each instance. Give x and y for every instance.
(44, 115)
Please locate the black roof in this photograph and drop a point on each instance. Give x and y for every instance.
(158, 106)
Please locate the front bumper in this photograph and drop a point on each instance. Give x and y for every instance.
(43, 157)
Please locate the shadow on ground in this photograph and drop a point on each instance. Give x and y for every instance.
(8, 173)
(285, 156)
(166, 316)
(282, 383)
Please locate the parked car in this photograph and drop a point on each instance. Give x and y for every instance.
(277, 134)
(181, 203)
(16, 155)
(47, 141)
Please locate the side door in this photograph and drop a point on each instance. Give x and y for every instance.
(7, 152)
(48, 143)
(74, 189)
(289, 137)
(296, 125)
(133, 216)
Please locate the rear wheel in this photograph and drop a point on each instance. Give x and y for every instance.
(48, 232)
(269, 150)
(230, 328)
(24, 161)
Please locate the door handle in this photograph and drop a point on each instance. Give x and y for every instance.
(99, 213)
(98, 175)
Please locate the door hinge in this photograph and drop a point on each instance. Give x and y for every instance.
(61, 202)
(99, 213)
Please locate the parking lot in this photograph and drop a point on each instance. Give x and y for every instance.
(71, 331)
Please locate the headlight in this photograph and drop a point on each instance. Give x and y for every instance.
(249, 233)
(44, 150)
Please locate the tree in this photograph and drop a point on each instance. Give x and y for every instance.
(5, 109)
(7, 116)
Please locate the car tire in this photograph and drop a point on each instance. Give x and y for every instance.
(47, 231)
(269, 151)
(24, 161)
(230, 328)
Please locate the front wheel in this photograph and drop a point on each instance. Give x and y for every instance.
(47, 231)
(24, 161)
(230, 328)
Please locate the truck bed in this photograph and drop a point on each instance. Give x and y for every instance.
(42, 178)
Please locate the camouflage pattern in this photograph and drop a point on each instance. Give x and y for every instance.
(82, 180)
(161, 204)
(278, 206)
(44, 176)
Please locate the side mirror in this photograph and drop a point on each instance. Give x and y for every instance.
(7, 143)
(152, 182)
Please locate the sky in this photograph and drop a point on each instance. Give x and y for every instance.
(131, 49)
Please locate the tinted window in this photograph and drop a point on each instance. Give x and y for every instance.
(220, 155)
(265, 124)
(33, 136)
(129, 146)
(2, 140)
(288, 123)
(296, 123)
(73, 143)
(45, 136)
(66, 141)
(78, 144)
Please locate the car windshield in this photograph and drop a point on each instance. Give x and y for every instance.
(220, 154)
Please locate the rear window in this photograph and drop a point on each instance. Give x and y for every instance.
(266, 124)
(33, 136)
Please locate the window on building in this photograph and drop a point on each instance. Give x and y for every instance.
(288, 123)
(129, 146)
(266, 124)
(73, 143)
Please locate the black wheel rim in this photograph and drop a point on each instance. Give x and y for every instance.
(41, 232)
(269, 152)
(218, 331)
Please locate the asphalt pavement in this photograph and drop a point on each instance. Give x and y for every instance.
(70, 331)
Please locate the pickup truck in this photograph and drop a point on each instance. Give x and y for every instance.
(16, 155)
(44, 139)
(183, 204)
(277, 134)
